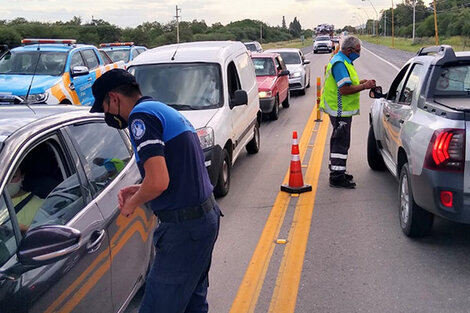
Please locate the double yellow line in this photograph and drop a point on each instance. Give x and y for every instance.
(285, 292)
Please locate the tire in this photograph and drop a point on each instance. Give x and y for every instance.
(374, 158)
(308, 85)
(314, 51)
(274, 114)
(414, 220)
(302, 92)
(223, 181)
(253, 146)
(286, 102)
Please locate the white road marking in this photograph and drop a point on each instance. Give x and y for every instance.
(380, 58)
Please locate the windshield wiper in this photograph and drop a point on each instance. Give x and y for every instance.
(182, 106)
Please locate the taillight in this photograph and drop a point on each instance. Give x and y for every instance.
(447, 199)
(446, 150)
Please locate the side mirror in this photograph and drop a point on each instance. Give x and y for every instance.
(306, 62)
(284, 73)
(376, 92)
(80, 71)
(239, 98)
(47, 244)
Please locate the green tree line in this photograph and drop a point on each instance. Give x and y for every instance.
(150, 34)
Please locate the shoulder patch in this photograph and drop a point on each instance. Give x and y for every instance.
(138, 128)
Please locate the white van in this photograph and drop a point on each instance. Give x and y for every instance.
(213, 84)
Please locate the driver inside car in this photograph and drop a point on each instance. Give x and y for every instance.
(26, 204)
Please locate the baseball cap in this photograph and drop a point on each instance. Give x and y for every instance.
(107, 82)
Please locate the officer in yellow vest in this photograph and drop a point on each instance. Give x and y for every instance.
(340, 100)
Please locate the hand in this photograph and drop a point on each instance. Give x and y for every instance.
(369, 84)
(362, 81)
(125, 193)
(128, 208)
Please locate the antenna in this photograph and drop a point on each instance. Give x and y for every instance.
(25, 101)
(176, 50)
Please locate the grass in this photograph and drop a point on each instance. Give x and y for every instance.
(458, 43)
(286, 44)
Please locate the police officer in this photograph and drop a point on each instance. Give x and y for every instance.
(340, 100)
(177, 187)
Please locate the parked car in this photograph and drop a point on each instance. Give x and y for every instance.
(52, 71)
(322, 43)
(213, 84)
(122, 51)
(419, 131)
(78, 252)
(273, 83)
(253, 46)
(106, 58)
(298, 66)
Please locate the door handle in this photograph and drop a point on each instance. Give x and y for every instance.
(401, 121)
(95, 241)
(387, 115)
(90, 79)
(72, 86)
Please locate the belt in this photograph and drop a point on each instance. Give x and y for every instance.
(186, 214)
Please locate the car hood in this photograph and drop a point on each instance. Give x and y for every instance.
(322, 41)
(19, 84)
(265, 82)
(294, 68)
(199, 118)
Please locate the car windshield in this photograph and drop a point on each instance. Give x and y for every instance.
(29, 62)
(119, 55)
(184, 86)
(251, 46)
(453, 81)
(290, 57)
(264, 67)
(322, 39)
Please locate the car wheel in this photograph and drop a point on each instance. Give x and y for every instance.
(414, 220)
(308, 85)
(253, 146)
(374, 158)
(274, 115)
(223, 182)
(302, 91)
(286, 102)
(314, 51)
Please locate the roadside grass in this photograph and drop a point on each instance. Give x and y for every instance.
(458, 43)
(287, 44)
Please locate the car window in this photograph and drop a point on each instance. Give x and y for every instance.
(233, 79)
(397, 84)
(141, 50)
(410, 90)
(8, 244)
(76, 60)
(119, 55)
(135, 53)
(279, 64)
(251, 47)
(453, 80)
(291, 57)
(91, 59)
(104, 156)
(264, 67)
(29, 62)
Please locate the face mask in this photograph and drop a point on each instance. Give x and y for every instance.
(353, 56)
(14, 188)
(115, 121)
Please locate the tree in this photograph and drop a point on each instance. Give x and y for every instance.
(295, 28)
(284, 25)
(9, 36)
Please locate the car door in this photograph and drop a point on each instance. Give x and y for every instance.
(306, 66)
(79, 281)
(78, 84)
(109, 167)
(401, 111)
(93, 63)
(283, 81)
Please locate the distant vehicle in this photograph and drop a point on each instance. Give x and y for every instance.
(51, 71)
(298, 66)
(324, 30)
(213, 84)
(322, 43)
(76, 242)
(253, 46)
(106, 58)
(273, 83)
(419, 130)
(335, 40)
(122, 51)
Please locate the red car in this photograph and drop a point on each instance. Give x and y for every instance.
(273, 83)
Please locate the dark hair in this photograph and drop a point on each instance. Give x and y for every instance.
(129, 90)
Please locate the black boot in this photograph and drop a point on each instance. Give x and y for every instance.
(342, 183)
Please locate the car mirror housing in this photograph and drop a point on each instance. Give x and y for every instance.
(240, 97)
(284, 73)
(306, 61)
(376, 92)
(80, 71)
(48, 244)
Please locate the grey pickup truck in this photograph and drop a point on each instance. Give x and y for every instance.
(419, 132)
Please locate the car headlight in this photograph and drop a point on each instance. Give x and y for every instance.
(35, 98)
(206, 137)
(265, 94)
(294, 75)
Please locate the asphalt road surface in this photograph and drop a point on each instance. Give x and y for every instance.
(345, 251)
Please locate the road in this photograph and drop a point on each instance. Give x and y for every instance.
(355, 259)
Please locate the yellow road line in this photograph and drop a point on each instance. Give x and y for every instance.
(250, 287)
(287, 284)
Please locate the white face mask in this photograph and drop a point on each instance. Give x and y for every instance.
(14, 188)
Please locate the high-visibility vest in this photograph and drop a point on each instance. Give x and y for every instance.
(331, 101)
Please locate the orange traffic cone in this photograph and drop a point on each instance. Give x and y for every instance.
(296, 182)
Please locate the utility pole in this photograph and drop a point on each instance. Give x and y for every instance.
(393, 29)
(385, 23)
(414, 19)
(435, 24)
(177, 16)
(261, 32)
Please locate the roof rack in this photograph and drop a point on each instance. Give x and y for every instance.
(48, 41)
(115, 44)
(445, 51)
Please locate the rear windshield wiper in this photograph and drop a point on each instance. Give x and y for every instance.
(183, 107)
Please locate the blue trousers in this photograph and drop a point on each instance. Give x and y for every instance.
(178, 280)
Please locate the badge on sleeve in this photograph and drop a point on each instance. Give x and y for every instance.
(138, 128)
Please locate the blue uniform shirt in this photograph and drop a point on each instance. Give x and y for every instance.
(159, 130)
(340, 72)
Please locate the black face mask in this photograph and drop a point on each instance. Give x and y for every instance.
(115, 120)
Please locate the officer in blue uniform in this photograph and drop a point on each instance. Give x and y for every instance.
(176, 186)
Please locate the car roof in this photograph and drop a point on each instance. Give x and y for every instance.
(254, 42)
(58, 47)
(283, 50)
(264, 55)
(202, 51)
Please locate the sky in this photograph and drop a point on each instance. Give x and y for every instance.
(130, 13)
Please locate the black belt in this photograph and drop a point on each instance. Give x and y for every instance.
(186, 214)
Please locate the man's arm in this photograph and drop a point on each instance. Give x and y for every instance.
(350, 89)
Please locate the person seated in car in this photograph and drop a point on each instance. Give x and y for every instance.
(112, 165)
(26, 204)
